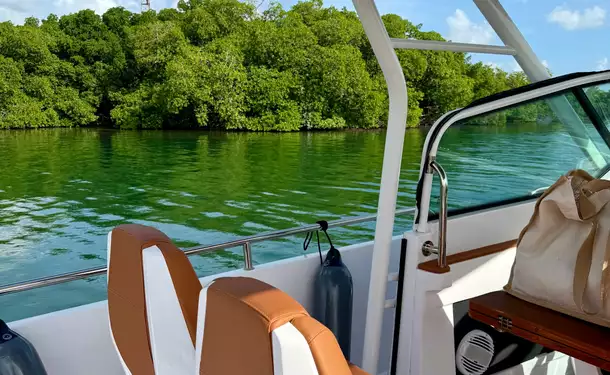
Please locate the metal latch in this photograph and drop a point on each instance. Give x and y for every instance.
(504, 324)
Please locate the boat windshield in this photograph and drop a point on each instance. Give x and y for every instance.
(599, 95)
(513, 154)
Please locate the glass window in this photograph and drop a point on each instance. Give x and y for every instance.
(599, 96)
(517, 152)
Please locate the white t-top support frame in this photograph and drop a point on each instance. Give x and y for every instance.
(390, 175)
(383, 47)
(536, 71)
(510, 35)
(436, 45)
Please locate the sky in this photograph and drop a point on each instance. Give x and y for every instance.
(567, 35)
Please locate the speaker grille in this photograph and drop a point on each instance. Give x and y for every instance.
(474, 353)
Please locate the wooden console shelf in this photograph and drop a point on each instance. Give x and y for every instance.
(432, 265)
(585, 341)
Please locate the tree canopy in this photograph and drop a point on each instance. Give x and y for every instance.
(224, 64)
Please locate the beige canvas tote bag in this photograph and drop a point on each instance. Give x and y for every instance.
(562, 254)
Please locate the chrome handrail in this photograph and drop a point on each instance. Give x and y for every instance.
(428, 247)
(246, 242)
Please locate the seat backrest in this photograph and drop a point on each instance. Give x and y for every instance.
(249, 327)
(153, 294)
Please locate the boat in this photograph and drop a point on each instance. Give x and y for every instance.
(410, 290)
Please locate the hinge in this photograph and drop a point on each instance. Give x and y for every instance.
(504, 324)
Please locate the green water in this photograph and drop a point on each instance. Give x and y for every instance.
(61, 191)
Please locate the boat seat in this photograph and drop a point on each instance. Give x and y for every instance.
(246, 326)
(579, 339)
(153, 293)
(163, 322)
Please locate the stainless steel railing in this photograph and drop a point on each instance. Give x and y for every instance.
(441, 249)
(245, 242)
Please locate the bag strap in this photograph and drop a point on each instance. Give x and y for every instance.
(599, 199)
(603, 287)
(582, 270)
(597, 185)
(597, 193)
(590, 194)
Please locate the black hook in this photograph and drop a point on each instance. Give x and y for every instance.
(324, 226)
(309, 236)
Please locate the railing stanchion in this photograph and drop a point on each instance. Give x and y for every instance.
(246, 242)
(248, 257)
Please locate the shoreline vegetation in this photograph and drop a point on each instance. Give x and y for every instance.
(224, 65)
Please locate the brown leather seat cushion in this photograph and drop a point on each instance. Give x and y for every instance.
(240, 315)
(357, 371)
(326, 351)
(242, 312)
(126, 298)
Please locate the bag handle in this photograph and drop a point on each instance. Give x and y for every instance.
(582, 269)
(596, 185)
(590, 195)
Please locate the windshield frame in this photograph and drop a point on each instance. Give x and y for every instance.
(572, 83)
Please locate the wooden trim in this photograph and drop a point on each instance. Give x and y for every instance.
(432, 265)
(546, 342)
(551, 329)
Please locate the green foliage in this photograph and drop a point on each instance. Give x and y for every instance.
(223, 64)
(600, 98)
(538, 111)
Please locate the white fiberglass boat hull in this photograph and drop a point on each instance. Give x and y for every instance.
(77, 341)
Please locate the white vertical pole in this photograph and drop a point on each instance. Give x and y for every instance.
(536, 71)
(508, 32)
(397, 119)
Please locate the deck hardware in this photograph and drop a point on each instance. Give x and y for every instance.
(428, 248)
(504, 324)
(248, 257)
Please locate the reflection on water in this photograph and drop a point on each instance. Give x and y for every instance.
(61, 191)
